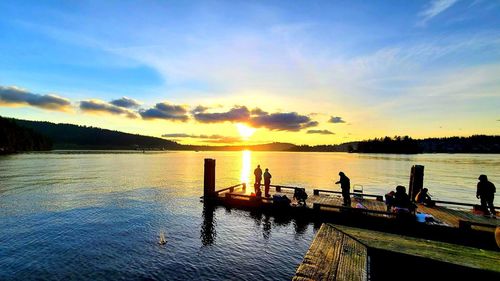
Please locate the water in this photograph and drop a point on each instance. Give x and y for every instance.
(99, 216)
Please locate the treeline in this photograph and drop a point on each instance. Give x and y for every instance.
(68, 136)
(397, 145)
(345, 147)
(15, 138)
(408, 145)
(472, 144)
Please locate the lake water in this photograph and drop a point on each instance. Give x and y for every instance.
(98, 216)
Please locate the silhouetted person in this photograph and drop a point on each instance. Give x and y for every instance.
(258, 178)
(345, 185)
(267, 182)
(486, 191)
(389, 200)
(424, 197)
(402, 200)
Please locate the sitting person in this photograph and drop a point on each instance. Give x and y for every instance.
(424, 197)
(300, 195)
(402, 202)
(389, 200)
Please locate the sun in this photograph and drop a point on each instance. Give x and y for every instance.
(245, 131)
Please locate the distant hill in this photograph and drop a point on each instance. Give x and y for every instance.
(15, 138)
(68, 136)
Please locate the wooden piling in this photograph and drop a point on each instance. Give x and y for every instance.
(209, 178)
(416, 181)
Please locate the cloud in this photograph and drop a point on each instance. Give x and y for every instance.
(321, 132)
(434, 8)
(200, 109)
(224, 140)
(125, 102)
(336, 119)
(205, 138)
(258, 111)
(165, 111)
(257, 117)
(291, 121)
(98, 106)
(18, 96)
(235, 114)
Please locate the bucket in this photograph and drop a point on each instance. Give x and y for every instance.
(421, 217)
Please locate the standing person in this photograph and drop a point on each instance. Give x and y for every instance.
(258, 178)
(345, 185)
(486, 191)
(267, 182)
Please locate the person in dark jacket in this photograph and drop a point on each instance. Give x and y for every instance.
(267, 182)
(345, 185)
(258, 178)
(486, 192)
(401, 199)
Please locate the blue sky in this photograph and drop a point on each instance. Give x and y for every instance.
(423, 68)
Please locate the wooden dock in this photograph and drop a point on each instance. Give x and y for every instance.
(346, 253)
(370, 205)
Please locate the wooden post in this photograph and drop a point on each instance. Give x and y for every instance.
(244, 187)
(209, 178)
(278, 188)
(316, 192)
(416, 181)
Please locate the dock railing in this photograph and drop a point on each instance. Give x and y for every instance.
(279, 188)
(458, 203)
(231, 189)
(318, 206)
(377, 197)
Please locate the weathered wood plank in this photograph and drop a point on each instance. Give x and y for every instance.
(353, 264)
(333, 256)
(434, 250)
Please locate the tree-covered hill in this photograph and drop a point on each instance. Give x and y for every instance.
(15, 138)
(68, 136)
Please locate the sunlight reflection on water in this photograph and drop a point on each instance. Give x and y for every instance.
(246, 162)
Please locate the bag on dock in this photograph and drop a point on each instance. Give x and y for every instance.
(281, 200)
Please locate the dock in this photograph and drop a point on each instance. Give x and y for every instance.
(326, 201)
(347, 253)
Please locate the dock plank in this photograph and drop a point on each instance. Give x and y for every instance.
(434, 250)
(333, 256)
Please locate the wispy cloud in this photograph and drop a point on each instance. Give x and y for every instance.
(204, 138)
(434, 8)
(98, 106)
(321, 132)
(11, 96)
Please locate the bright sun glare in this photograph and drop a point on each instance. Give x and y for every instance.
(245, 131)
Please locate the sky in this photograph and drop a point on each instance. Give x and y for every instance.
(248, 72)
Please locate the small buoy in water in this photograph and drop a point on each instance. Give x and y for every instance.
(163, 240)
